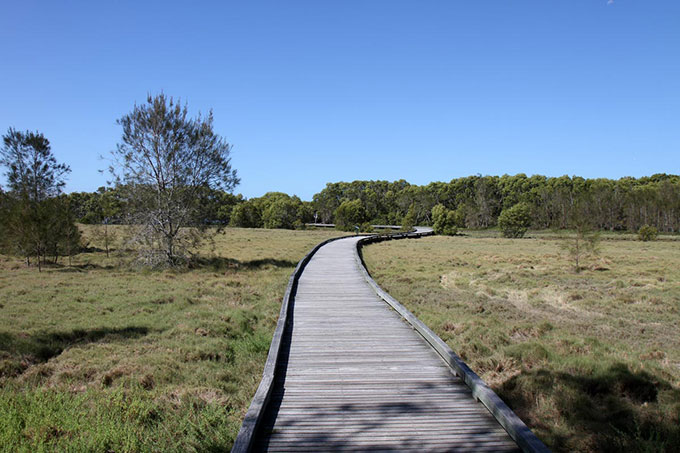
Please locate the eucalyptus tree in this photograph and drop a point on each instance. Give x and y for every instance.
(165, 162)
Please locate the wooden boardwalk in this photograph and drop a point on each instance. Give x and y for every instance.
(353, 375)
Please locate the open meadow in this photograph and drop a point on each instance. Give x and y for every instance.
(590, 360)
(101, 356)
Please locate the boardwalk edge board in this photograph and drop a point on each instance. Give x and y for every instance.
(244, 439)
(514, 426)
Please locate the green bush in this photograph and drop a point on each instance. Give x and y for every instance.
(515, 221)
(409, 220)
(366, 227)
(647, 233)
(444, 220)
(350, 214)
(282, 213)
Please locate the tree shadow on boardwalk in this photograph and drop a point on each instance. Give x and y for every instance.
(388, 426)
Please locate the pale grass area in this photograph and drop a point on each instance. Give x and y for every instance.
(177, 354)
(590, 360)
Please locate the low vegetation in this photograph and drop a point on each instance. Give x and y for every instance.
(590, 360)
(647, 233)
(515, 221)
(103, 357)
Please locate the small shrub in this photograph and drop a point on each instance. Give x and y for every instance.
(585, 242)
(366, 227)
(515, 221)
(647, 233)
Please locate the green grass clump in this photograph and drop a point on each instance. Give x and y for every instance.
(101, 356)
(590, 361)
(648, 233)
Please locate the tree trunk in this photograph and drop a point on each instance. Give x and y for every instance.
(170, 249)
(106, 239)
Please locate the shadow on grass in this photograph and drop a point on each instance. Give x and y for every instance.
(18, 352)
(215, 264)
(221, 263)
(611, 410)
(95, 250)
(79, 267)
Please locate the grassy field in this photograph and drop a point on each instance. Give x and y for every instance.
(590, 361)
(102, 357)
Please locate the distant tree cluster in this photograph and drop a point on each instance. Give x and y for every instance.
(530, 202)
(273, 210)
(511, 203)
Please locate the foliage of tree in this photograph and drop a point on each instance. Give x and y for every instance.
(349, 215)
(647, 233)
(32, 170)
(63, 235)
(246, 215)
(272, 210)
(515, 221)
(166, 164)
(444, 221)
(281, 213)
(409, 220)
(36, 221)
(4, 214)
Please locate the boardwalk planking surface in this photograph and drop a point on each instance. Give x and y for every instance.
(352, 375)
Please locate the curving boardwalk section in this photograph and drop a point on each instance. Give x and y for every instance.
(353, 375)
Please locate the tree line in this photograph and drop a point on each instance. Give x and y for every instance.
(172, 184)
(478, 201)
(625, 204)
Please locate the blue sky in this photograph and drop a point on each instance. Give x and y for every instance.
(310, 92)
